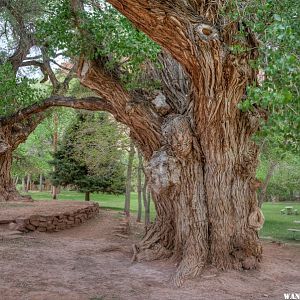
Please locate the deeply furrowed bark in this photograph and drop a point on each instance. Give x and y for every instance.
(197, 144)
(8, 190)
(203, 186)
(176, 179)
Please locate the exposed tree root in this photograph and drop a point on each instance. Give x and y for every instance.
(190, 266)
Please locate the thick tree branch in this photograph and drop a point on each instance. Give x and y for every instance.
(21, 130)
(174, 25)
(132, 109)
(59, 65)
(88, 103)
(71, 74)
(176, 85)
(192, 32)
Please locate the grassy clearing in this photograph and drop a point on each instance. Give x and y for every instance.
(275, 226)
(115, 202)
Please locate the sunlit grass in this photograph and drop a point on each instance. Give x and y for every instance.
(276, 225)
(115, 202)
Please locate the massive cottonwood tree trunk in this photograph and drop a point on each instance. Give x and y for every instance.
(201, 173)
(197, 144)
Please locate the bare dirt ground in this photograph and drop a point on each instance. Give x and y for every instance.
(89, 262)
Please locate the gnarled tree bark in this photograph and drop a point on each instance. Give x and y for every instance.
(10, 137)
(196, 142)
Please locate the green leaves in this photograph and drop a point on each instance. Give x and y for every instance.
(276, 23)
(99, 33)
(16, 92)
(91, 156)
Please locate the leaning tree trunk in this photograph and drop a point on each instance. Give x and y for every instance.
(8, 191)
(15, 129)
(11, 136)
(263, 192)
(7, 188)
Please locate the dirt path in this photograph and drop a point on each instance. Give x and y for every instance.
(88, 262)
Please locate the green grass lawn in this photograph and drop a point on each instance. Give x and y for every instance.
(115, 202)
(275, 226)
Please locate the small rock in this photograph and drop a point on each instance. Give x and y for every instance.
(12, 226)
(35, 222)
(30, 227)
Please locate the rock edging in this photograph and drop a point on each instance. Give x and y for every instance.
(55, 222)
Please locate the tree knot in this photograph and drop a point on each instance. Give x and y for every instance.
(163, 171)
(161, 104)
(4, 147)
(206, 32)
(178, 134)
(256, 219)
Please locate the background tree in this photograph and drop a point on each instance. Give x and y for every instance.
(23, 102)
(139, 186)
(33, 156)
(131, 154)
(280, 183)
(72, 169)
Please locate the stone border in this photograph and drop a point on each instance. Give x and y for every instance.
(56, 222)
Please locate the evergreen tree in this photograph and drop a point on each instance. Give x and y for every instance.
(72, 169)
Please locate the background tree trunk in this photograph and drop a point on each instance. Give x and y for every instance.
(146, 205)
(148, 209)
(55, 142)
(41, 183)
(16, 182)
(23, 184)
(139, 187)
(263, 192)
(28, 183)
(128, 179)
(87, 196)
